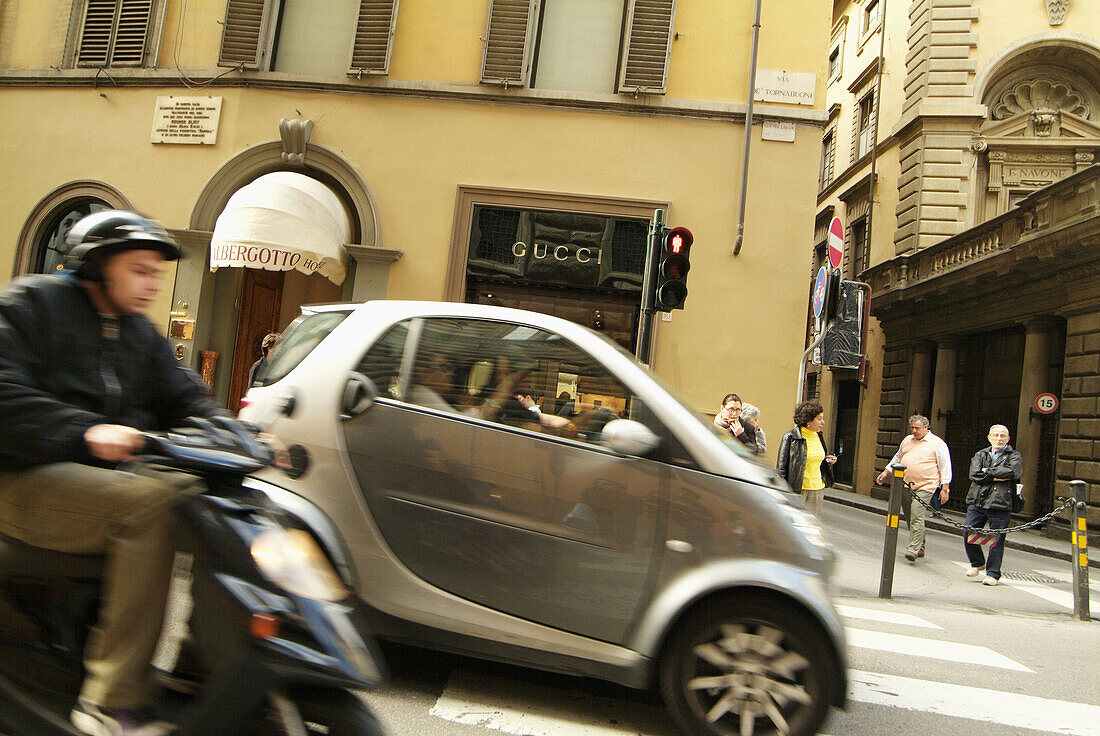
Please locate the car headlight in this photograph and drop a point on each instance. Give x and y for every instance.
(291, 559)
(807, 524)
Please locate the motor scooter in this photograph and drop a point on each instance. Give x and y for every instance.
(281, 638)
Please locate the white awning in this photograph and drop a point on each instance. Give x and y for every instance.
(283, 221)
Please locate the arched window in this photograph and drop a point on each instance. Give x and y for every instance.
(51, 248)
(41, 246)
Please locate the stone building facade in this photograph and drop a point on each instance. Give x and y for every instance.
(973, 216)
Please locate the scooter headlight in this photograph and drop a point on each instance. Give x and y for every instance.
(291, 559)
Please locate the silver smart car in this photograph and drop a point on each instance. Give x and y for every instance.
(517, 487)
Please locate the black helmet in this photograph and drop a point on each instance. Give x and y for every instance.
(102, 234)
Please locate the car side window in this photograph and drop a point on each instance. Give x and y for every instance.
(516, 375)
(382, 361)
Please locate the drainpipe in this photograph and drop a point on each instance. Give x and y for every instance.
(872, 185)
(748, 130)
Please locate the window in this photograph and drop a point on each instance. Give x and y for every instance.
(828, 152)
(516, 375)
(299, 340)
(834, 62)
(860, 248)
(382, 363)
(578, 44)
(312, 37)
(865, 119)
(871, 14)
(115, 33)
(52, 248)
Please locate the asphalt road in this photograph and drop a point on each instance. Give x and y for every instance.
(945, 655)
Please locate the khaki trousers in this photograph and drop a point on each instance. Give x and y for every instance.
(917, 512)
(83, 509)
(814, 500)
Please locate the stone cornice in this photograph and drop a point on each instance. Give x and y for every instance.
(648, 105)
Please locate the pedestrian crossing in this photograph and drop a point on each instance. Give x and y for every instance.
(1058, 596)
(1000, 710)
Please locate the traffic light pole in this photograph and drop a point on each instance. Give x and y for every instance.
(652, 258)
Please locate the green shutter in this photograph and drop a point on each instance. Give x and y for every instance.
(243, 34)
(114, 33)
(648, 44)
(509, 37)
(373, 37)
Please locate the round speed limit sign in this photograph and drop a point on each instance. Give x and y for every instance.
(1046, 403)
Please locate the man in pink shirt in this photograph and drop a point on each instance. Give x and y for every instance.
(927, 467)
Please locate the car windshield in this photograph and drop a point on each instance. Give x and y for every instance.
(299, 340)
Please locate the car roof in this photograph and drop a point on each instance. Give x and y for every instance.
(394, 309)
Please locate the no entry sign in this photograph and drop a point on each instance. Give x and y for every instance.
(836, 242)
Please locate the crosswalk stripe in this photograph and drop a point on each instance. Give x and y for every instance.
(890, 617)
(1066, 576)
(975, 703)
(932, 648)
(1061, 598)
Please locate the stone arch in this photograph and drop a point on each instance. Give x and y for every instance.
(26, 249)
(1071, 56)
(321, 163)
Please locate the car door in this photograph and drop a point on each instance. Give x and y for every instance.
(520, 510)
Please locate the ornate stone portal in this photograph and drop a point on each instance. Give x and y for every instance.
(1040, 131)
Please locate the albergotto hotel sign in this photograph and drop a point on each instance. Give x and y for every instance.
(780, 86)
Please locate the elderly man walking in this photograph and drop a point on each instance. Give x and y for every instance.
(927, 468)
(994, 472)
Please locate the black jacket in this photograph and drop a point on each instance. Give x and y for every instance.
(993, 484)
(64, 368)
(791, 462)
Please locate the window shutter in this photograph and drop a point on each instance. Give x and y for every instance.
(508, 37)
(114, 33)
(131, 32)
(648, 45)
(373, 37)
(242, 34)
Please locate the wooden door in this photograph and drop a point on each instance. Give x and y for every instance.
(261, 297)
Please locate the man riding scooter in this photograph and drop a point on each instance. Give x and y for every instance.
(82, 374)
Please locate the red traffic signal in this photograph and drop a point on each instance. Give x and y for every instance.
(678, 241)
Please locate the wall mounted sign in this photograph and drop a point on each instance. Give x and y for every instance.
(188, 120)
(796, 88)
(1046, 403)
(773, 130)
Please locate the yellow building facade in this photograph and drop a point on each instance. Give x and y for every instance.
(457, 133)
(960, 155)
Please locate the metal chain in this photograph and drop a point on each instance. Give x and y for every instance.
(1066, 504)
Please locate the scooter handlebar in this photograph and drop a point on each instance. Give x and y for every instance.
(218, 444)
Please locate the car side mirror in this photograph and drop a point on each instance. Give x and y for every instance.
(359, 395)
(628, 437)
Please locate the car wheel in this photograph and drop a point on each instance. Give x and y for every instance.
(748, 666)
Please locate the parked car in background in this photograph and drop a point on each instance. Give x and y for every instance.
(517, 487)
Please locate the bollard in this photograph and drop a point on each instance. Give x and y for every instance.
(1079, 551)
(890, 544)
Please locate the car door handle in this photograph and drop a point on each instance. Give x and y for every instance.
(359, 395)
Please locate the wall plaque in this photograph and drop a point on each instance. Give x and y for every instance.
(774, 130)
(796, 88)
(192, 120)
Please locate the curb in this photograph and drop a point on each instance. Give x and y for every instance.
(940, 526)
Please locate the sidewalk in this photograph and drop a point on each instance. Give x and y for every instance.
(1031, 540)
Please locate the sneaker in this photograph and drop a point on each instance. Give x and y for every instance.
(910, 556)
(973, 571)
(96, 721)
(920, 552)
(990, 580)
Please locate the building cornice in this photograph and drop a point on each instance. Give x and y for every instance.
(648, 105)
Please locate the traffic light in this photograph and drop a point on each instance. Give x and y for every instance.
(672, 271)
